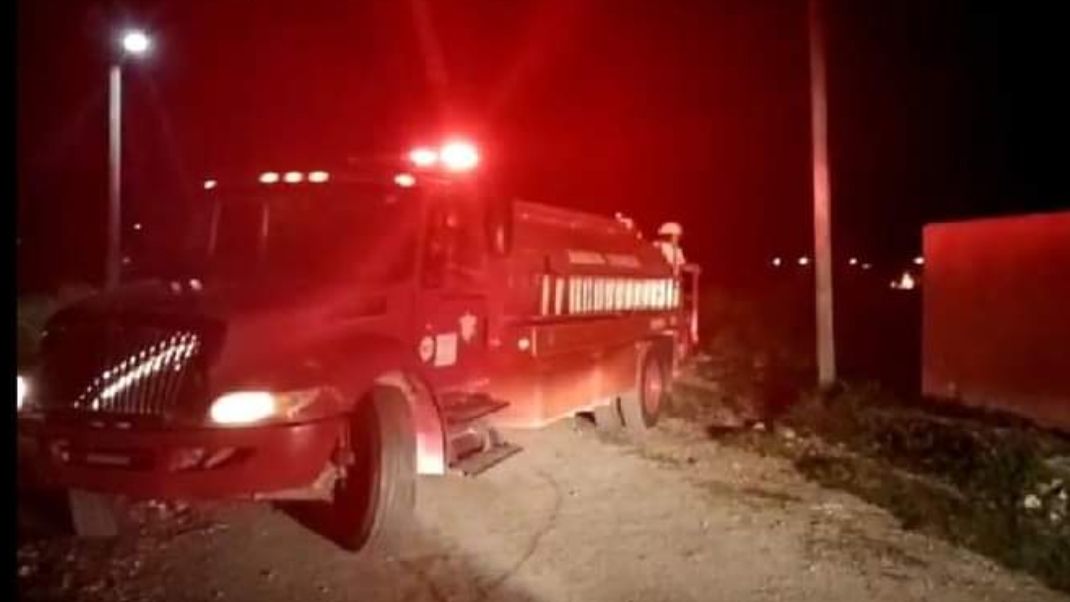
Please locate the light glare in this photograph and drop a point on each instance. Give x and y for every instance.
(136, 41)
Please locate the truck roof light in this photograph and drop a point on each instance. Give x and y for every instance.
(423, 157)
(293, 177)
(318, 177)
(405, 180)
(269, 177)
(209, 184)
(459, 156)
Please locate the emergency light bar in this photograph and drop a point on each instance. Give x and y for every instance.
(455, 156)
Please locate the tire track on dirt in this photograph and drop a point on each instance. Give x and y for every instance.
(533, 544)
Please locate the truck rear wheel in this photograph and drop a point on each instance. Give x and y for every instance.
(640, 407)
(607, 417)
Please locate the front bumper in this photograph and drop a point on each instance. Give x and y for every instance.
(185, 464)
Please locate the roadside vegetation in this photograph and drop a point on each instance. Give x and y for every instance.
(990, 482)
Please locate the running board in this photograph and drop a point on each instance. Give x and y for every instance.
(479, 462)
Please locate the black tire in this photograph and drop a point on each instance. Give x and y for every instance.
(374, 503)
(607, 417)
(641, 406)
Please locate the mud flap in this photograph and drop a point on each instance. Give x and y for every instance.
(95, 515)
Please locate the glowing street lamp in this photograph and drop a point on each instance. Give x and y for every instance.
(133, 43)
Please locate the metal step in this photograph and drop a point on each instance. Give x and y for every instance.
(470, 408)
(479, 462)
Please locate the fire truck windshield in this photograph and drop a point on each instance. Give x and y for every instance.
(311, 232)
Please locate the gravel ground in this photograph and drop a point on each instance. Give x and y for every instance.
(573, 517)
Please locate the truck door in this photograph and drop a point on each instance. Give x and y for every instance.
(453, 305)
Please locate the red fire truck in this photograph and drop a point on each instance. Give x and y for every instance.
(341, 333)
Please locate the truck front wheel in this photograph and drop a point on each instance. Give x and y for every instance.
(373, 503)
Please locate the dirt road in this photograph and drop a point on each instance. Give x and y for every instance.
(573, 517)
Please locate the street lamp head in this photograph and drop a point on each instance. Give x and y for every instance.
(136, 42)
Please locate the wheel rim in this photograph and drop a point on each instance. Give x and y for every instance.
(653, 388)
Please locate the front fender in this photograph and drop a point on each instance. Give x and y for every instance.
(381, 361)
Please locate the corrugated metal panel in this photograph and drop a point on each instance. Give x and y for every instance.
(996, 314)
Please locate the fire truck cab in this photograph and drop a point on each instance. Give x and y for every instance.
(344, 333)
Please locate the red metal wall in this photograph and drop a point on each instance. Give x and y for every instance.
(996, 314)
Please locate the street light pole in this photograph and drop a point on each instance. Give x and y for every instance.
(133, 43)
(113, 267)
(826, 348)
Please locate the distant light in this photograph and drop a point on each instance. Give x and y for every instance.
(852, 261)
(137, 226)
(804, 260)
(405, 180)
(423, 157)
(318, 177)
(459, 156)
(269, 177)
(776, 262)
(21, 389)
(866, 266)
(293, 177)
(209, 184)
(127, 260)
(919, 260)
(136, 41)
(523, 343)
(906, 282)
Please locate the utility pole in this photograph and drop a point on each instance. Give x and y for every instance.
(826, 348)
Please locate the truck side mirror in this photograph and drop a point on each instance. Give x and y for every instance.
(499, 227)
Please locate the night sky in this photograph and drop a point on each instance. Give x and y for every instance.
(685, 110)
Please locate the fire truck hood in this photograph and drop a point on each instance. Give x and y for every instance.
(174, 299)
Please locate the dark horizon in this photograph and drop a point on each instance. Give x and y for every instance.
(663, 112)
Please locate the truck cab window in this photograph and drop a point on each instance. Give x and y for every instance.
(454, 245)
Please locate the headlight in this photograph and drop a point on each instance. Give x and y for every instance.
(20, 391)
(240, 408)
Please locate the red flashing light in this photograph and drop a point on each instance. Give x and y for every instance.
(269, 177)
(459, 156)
(423, 157)
(293, 177)
(405, 180)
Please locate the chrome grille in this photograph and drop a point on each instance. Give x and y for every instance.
(143, 372)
